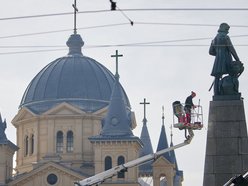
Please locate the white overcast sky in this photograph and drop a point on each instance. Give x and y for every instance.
(161, 74)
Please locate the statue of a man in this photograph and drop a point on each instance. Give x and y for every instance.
(223, 50)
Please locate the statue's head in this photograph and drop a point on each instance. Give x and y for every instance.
(224, 27)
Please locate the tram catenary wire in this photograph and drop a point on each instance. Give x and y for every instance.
(116, 24)
(134, 9)
(104, 46)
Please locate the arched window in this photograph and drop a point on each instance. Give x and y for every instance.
(163, 180)
(26, 145)
(108, 163)
(120, 161)
(32, 144)
(59, 142)
(69, 141)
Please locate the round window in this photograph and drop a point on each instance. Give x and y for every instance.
(52, 179)
(114, 121)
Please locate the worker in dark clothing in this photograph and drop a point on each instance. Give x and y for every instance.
(189, 105)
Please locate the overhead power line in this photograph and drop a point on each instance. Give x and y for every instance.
(31, 46)
(154, 45)
(114, 45)
(136, 10)
(184, 24)
(148, 43)
(30, 51)
(113, 25)
(188, 9)
(64, 30)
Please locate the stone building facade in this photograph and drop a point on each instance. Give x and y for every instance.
(74, 121)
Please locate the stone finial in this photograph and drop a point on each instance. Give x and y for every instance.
(75, 44)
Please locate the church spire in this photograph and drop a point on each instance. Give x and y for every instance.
(146, 169)
(163, 143)
(3, 126)
(118, 121)
(162, 115)
(179, 173)
(171, 135)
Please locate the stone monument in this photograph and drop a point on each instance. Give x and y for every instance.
(227, 141)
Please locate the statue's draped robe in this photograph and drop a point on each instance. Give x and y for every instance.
(223, 51)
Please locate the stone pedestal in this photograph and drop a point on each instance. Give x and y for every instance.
(227, 142)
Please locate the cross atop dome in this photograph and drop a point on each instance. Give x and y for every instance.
(75, 16)
(75, 42)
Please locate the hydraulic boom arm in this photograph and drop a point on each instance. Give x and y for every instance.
(240, 180)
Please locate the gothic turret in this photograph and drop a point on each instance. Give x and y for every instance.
(116, 143)
(7, 150)
(173, 175)
(178, 178)
(145, 169)
(118, 120)
(3, 126)
(163, 143)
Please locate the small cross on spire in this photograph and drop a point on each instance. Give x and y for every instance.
(144, 103)
(75, 15)
(163, 114)
(116, 57)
